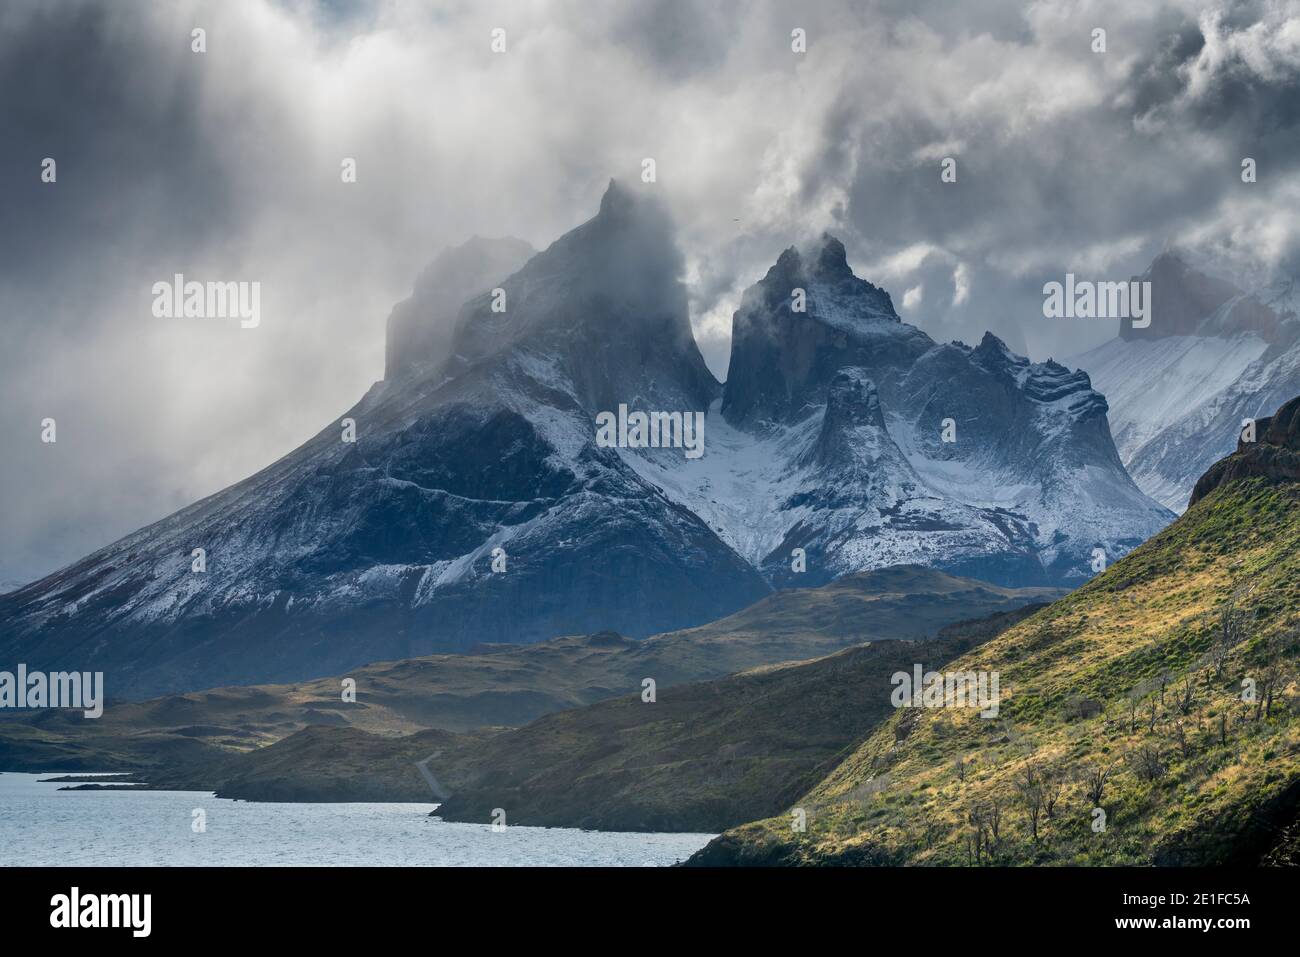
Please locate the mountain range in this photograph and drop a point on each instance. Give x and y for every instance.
(1180, 389)
(1123, 734)
(476, 506)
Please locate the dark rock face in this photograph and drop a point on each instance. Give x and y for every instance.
(781, 359)
(1181, 297)
(852, 409)
(1274, 455)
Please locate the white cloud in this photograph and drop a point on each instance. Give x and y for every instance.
(960, 285)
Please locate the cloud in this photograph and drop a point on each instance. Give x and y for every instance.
(225, 165)
(960, 285)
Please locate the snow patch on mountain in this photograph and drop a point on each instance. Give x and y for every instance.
(1179, 390)
(1151, 384)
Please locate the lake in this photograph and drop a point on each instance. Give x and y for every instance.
(41, 825)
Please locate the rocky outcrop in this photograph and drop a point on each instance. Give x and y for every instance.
(1273, 455)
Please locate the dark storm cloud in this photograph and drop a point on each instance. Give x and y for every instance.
(1143, 155)
(136, 175)
(225, 165)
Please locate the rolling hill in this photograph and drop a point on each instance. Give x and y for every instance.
(508, 685)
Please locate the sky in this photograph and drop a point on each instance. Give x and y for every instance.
(226, 165)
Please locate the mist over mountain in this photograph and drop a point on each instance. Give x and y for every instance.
(1180, 390)
(420, 329)
(476, 505)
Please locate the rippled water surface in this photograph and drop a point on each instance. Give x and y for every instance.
(41, 825)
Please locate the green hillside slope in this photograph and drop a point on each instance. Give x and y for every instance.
(1150, 717)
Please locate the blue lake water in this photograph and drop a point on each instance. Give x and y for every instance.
(41, 825)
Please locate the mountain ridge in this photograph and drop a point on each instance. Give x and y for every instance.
(475, 505)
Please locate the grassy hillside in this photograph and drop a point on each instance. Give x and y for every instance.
(1131, 686)
(507, 685)
(703, 756)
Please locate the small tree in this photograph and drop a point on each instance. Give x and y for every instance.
(1164, 679)
(1029, 792)
(930, 829)
(977, 840)
(1232, 626)
(1147, 762)
(1133, 699)
(1053, 786)
(1094, 779)
(1273, 677)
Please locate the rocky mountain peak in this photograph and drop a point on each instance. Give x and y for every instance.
(832, 264)
(807, 318)
(1182, 298)
(618, 204)
(993, 354)
(606, 306)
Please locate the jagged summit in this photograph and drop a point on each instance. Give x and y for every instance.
(993, 354)
(832, 260)
(606, 305)
(884, 444)
(821, 269)
(476, 504)
(618, 204)
(805, 319)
